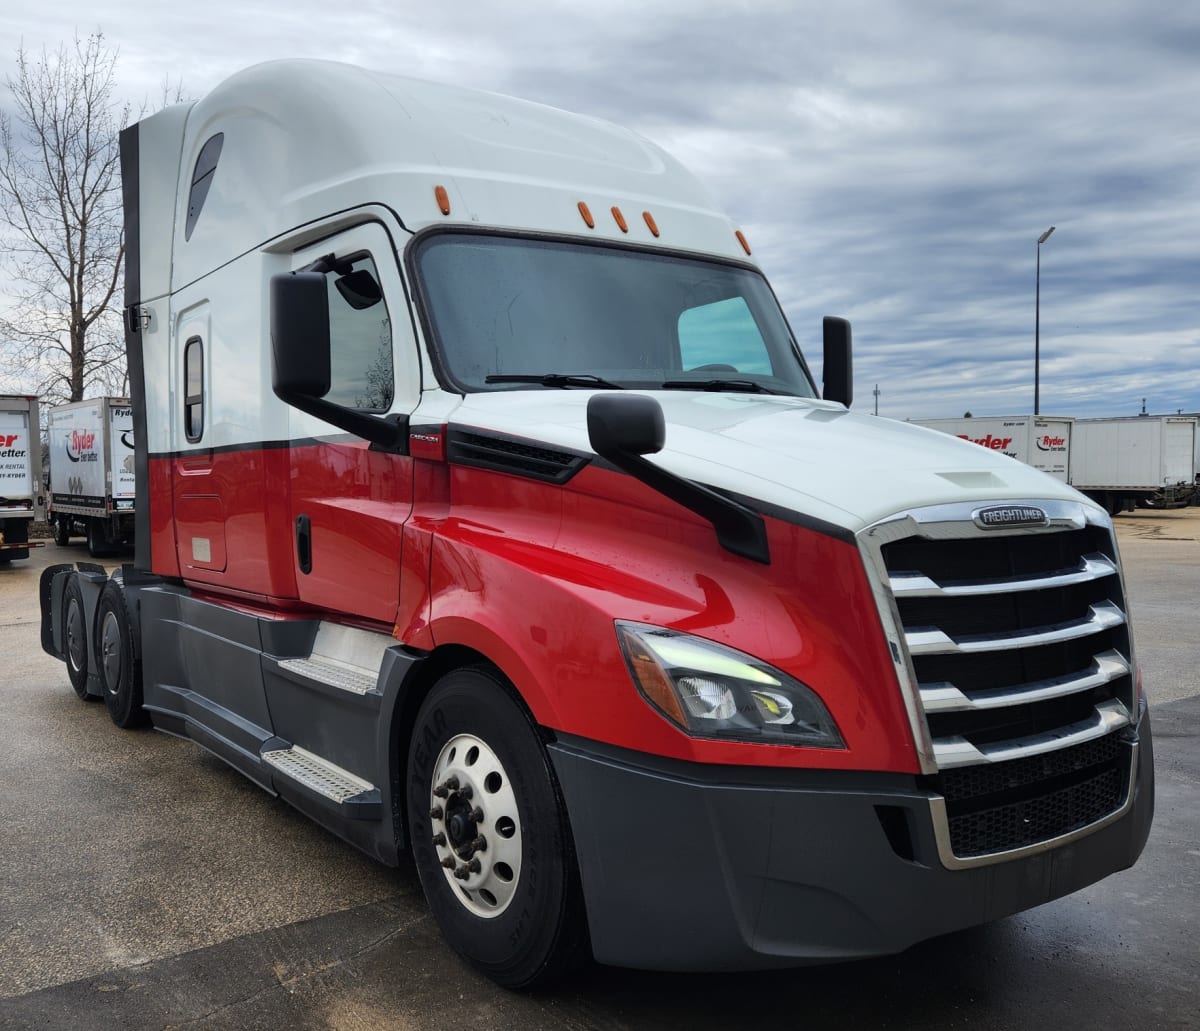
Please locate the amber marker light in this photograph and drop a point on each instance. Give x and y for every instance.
(620, 220)
(649, 676)
(586, 212)
(443, 199)
(742, 240)
(650, 222)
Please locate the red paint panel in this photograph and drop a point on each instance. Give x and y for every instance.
(244, 503)
(356, 501)
(533, 576)
(162, 519)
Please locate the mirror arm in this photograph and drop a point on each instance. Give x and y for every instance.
(739, 529)
(385, 432)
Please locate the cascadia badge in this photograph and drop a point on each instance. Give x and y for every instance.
(1004, 516)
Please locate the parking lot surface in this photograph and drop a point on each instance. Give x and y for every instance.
(144, 884)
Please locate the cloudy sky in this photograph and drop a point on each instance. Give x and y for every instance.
(894, 163)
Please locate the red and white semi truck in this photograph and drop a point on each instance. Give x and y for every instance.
(489, 512)
(21, 497)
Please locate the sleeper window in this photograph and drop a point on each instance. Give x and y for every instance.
(193, 389)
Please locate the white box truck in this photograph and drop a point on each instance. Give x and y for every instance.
(488, 512)
(1139, 459)
(93, 487)
(21, 497)
(1042, 441)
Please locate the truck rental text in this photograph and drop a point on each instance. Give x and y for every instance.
(488, 512)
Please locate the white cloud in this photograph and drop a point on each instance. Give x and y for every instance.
(892, 163)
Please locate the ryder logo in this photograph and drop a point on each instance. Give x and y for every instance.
(1002, 517)
(1049, 443)
(993, 443)
(81, 446)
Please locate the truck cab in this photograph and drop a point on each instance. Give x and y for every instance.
(490, 511)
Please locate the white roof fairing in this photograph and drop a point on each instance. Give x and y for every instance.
(305, 139)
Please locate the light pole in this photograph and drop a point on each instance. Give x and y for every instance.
(1037, 326)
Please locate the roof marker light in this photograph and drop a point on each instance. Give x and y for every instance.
(742, 240)
(620, 219)
(586, 212)
(443, 199)
(650, 222)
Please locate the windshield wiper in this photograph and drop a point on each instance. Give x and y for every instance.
(555, 379)
(745, 386)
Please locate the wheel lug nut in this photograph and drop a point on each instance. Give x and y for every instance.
(474, 866)
(451, 783)
(462, 873)
(467, 792)
(448, 863)
(439, 839)
(477, 814)
(441, 791)
(479, 844)
(436, 813)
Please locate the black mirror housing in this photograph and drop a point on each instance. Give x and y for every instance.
(625, 424)
(300, 362)
(837, 373)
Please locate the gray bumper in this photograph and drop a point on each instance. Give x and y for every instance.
(689, 867)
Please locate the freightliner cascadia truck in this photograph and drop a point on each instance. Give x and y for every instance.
(488, 512)
(21, 497)
(93, 484)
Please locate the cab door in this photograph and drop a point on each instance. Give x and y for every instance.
(348, 501)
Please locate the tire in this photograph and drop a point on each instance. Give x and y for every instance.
(96, 543)
(75, 638)
(62, 530)
(118, 659)
(478, 776)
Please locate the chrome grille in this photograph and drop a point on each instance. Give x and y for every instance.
(1014, 648)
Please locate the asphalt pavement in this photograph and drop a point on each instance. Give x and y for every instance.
(144, 884)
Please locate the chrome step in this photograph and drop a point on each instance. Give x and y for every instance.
(329, 671)
(317, 774)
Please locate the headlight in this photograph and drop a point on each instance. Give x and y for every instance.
(713, 691)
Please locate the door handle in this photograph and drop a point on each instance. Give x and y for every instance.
(304, 543)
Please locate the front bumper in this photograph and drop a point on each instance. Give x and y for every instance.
(689, 867)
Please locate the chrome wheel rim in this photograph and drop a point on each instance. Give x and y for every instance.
(475, 826)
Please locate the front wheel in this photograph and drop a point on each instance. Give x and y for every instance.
(490, 834)
(62, 530)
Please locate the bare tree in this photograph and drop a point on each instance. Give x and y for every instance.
(60, 205)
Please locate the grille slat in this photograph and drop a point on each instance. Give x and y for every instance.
(947, 697)
(1019, 645)
(917, 585)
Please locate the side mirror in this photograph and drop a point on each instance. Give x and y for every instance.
(300, 363)
(624, 427)
(625, 424)
(837, 373)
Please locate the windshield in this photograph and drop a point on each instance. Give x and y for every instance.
(507, 313)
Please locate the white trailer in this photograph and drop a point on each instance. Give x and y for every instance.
(21, 499)
(1138, 459)
(1042, 441)
(92, 482)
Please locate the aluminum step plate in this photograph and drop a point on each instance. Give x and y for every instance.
(317, 774)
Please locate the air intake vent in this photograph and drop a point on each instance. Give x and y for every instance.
(508, 455)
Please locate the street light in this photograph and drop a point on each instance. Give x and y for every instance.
(1037, 326)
